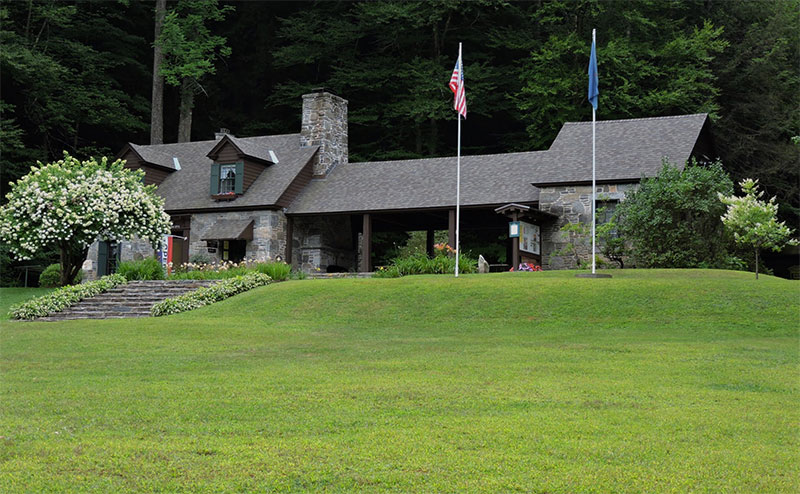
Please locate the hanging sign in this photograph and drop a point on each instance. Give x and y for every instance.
(513, 229)
(529, 238)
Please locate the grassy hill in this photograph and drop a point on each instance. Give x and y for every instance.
(652, 381)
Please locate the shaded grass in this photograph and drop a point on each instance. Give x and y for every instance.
(13, 296)
(653, 381)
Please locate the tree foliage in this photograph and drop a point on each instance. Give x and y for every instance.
(673, 220)
(69, 204)
(754, 222)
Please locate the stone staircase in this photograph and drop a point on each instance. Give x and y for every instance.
(133, 299)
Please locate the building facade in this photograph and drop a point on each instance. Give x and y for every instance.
(296, 197)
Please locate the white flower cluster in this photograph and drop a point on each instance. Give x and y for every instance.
(77, 202)
(209, 295)
(60, 299)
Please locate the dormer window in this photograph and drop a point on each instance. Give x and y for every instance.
(227, 179)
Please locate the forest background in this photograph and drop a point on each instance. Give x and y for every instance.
(78, 76)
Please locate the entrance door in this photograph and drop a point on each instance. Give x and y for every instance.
(107, 257)
(178, 252)
(234, 250)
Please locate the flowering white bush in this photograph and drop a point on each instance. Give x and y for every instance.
(60, 299)
(754, 222)
(209, 295)
(68, 204)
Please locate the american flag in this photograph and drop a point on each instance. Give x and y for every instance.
(457, 86)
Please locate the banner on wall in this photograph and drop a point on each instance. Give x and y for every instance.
(164, 254)
(529, 238)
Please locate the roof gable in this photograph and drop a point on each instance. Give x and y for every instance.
(627, 149)
(187, 189)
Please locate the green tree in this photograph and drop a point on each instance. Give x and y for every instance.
(759, 85)
(673, 220)
(753, 222)
(190, 50)
(641, 74)
(69, 204)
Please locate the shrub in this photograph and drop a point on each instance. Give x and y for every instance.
(209, 295)
(63, 297)
(278, 271)
(673, 219)
(420, 263)
(146, 269)
(51, 276)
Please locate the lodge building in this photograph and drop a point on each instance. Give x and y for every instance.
(297, 197)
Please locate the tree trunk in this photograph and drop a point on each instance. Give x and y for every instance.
(433, 136)
(157, 101)
(756, 262)
(71, 263)
(187, 105)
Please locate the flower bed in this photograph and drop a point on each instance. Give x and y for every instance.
(60, 299)
(208, 295)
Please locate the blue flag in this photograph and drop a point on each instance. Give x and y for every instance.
(593, 90)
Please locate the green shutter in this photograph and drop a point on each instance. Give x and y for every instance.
(215, 178)
(239, 178)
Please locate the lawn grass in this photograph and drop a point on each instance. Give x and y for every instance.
(652, 381)
(12, 296)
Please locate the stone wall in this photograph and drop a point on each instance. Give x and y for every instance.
(129, 250)
(572, 204)
(269, 233)
(323, 241)
(324, 124)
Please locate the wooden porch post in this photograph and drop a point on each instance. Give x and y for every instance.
(429, 243)
(289, 235)
(515, 245)
(451, 229)
(366, 244)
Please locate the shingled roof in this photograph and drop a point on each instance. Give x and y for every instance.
(423, 183)
(188, 189)
(627, 149)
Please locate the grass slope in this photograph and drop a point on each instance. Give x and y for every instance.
(653, 381)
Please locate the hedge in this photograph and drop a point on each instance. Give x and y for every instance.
(209, 295)
(60, 299)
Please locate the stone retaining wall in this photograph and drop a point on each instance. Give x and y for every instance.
(572, 204)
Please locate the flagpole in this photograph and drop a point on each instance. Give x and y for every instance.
(458, 172)
(594, 184)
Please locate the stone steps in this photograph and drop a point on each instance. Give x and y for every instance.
(134, 299)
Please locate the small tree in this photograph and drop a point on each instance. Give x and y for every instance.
(753, 222)
(69, 204)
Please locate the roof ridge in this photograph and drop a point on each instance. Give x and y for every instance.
(444, 157)
(639, 118)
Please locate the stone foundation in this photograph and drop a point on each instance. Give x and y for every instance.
(269, 234)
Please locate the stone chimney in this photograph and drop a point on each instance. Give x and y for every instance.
(222, 132)
(325, 125)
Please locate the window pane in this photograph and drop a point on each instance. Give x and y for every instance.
(227, 179)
